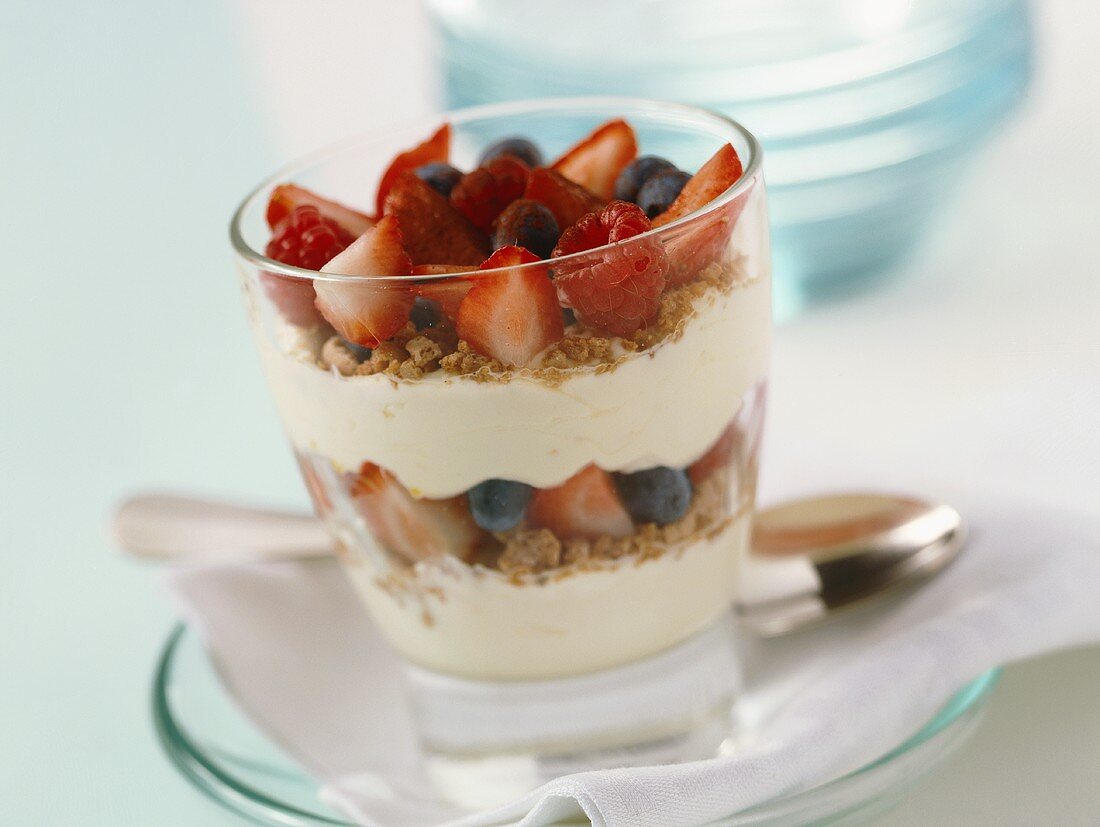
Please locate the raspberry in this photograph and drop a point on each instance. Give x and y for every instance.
(483, 194)
(307, 239)
(618, 291)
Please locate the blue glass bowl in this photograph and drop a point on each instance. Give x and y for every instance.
(868, 110)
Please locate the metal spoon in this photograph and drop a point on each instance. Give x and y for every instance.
(861, 546)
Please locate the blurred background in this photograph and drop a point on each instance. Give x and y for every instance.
(932, 166)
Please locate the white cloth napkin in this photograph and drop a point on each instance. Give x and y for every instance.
(295, 650)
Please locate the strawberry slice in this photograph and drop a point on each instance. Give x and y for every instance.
(566, 200)
(719, 455)
(285, 198)
(704, 241)
(294, 298)
(434, 231)
(416, 529)
(716, 176)
(368, 313)
(448, 293)
(437, 149)
(596, 161)
(513, 315)
(483, 194)
(585, 505)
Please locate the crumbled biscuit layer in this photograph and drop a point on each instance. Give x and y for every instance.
(534, 551)
(408, 355)
(413, 353)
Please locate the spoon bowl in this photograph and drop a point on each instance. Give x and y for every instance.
(861, 546)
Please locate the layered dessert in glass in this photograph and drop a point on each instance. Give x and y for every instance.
(521, 356)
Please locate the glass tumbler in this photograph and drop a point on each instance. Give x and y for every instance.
(595, 625)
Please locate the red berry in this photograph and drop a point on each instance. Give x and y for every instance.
(306, 239)
(435, 150)
(595, 162)
(618, 289)
(704, 239)
(434, 231)
(586, 505)
(285, 198)
(303, 238)
(483, 194)
(512, 315)
(368, 312)
(566, 200)
(415, 529)
(719, 455)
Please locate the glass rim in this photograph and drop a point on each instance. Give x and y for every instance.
(720, 122)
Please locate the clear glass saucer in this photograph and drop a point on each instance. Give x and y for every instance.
(227, 758)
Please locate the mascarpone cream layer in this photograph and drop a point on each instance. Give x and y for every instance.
(442, 434)
(477, 624)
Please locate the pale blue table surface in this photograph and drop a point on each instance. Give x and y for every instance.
(129, 132)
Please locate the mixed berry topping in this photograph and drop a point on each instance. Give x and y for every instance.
(434, 232)
(596, 162)
(707, 236)
(568, 201)
(432, 219)
(513, 314)
(519, 148)
(636, 173)
(306, 239)
(368, 312)
(436, 149)
(483, 194)
(285, 198)
(619, 291)
(440, 176)
(425, 313)
(528, 224)
(660, 190)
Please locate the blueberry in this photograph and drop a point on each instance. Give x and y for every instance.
(360, 353)
(658, 193)
(441, 177)
(568, 317)
(424, 313)
(515, 146)
(498, 505)
(657, 495)
(636, 173)
(527, 224)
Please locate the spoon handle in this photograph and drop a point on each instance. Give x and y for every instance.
(168, 527)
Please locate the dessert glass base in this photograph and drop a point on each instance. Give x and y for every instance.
(484, 743)
(232, 761)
